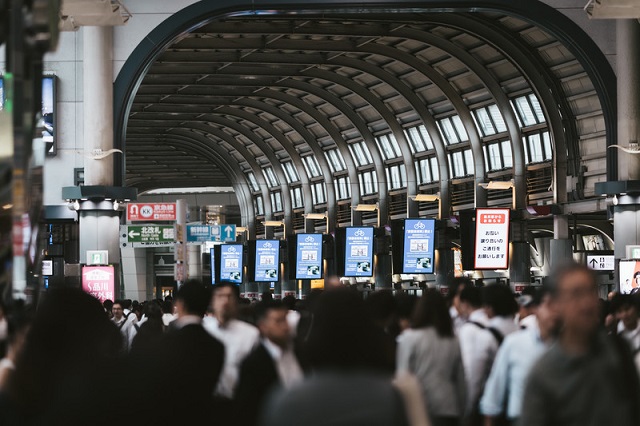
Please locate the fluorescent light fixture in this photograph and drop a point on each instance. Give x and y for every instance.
(272, 223)
(425, 197)
(241, 229)
(190, 190)
(497, 184)
(365, 207)
(315, 216)
(7, 206)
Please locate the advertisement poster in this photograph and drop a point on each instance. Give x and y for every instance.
(267, 260)
(358, 255)
(418, 246)
(629, 276)
(492, 239)
(231, 263)
(308, 256)
(99, 281)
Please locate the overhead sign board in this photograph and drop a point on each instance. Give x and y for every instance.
(47, 267)
(492, 239)
(148, 233)
(308, 256)
(144, 212)
(231, 263)
(358, 255)
(267, 260)
(418, 246)
(217, 233)
(601, 263)
(99, 281)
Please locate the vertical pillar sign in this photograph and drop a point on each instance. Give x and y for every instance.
(308, 256)
(492, 239)
(418, 246)
(358, 252)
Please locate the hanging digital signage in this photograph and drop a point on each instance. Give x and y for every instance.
(231, 263)
(358, 253)
(308, 256)
(492, 239)
(267, 260)
(213, 266)
(418, 246)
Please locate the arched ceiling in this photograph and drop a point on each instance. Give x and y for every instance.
(240, 94)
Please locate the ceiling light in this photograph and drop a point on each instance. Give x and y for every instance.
(365, 207)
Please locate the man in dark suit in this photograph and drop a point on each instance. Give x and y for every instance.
(272, 364)
(193, 355)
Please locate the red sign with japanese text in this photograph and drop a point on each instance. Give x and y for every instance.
(151, 211)
(99, 281)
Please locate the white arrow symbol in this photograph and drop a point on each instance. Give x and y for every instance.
(228, 230)
(133, 234)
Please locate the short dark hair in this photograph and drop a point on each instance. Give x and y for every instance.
(500, 299)
(620, 301)
(234, 288)
(454, 286)
(289, 301)
(471, 295)
(431, 311)
(117, 302)
(194, 296)
(263, 308)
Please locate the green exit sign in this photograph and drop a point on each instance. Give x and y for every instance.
(633, 252)
(150, 233)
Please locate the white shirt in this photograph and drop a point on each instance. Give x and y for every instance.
(632, 337)
(286, 363)
(457, 319)
(293, 318)
(167, 318)
(125, 327)
(530, 321)
(239, 338)
(478, 347)
(505, 325)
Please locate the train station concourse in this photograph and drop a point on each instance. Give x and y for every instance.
(279, 144)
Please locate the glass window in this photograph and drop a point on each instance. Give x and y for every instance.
(457, 164)
(468, 160)
(368, 182)
(336, 162)
(507, 156)
(388, 146)
(276, 201)
(415, 140)
(462, 132)
(253, 182)
(537, 109)
(446, 128)
(290, 172)
(548, 152)
(270, 176)
(258, 205)
(311, 165)
(495, 160)
(425, 136)
(424, 171)
(397, 176)
(524, 111)
(484, 123)
(343, 188)
(435, 171)
(296, 197)
(536, 154)
(360, 153)
(318, 193)
(526, 149)
(496, 116)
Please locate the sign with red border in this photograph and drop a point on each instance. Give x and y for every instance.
(137, 212)
(492, 239)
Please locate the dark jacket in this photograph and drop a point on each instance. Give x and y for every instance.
(258, 375)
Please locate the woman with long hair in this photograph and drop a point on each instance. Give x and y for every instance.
(431, 352)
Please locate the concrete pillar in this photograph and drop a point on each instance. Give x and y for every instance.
(628, 73)
(134, 273)
(520, 255)
(97, 67)
(561, 247)
(194, 262)
(180, 253)
(383, 271)
(444, 256)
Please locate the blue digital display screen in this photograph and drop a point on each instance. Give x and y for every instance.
(231, 263)
(308, 256)
(267, 260)
(213, 266)
(418, 246)
(358, 252)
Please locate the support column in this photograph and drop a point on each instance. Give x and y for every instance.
(444, 256)
(194, 262)
(520, 255)
(628, 73)
(561, 247)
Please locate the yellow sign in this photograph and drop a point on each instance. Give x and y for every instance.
(317, 284)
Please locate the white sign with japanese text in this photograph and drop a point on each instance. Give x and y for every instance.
(492, 239)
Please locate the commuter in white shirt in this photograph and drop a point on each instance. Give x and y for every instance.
(625, 307)
(238, 337)
(514, 360)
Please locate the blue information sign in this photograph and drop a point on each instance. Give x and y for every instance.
(267, 260)
(218, 233)
(358, 255)
(418, 246)
(213, 266)
(309, 256)
(231, 263)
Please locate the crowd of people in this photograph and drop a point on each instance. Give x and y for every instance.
(555, 355)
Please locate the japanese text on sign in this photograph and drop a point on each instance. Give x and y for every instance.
(492, 239)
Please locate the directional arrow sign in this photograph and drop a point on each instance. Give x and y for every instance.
(148, 233)
(593, 263)
(217, 233)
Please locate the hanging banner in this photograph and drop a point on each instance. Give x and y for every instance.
(418, 246)
(358, 254)
(492, 239)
